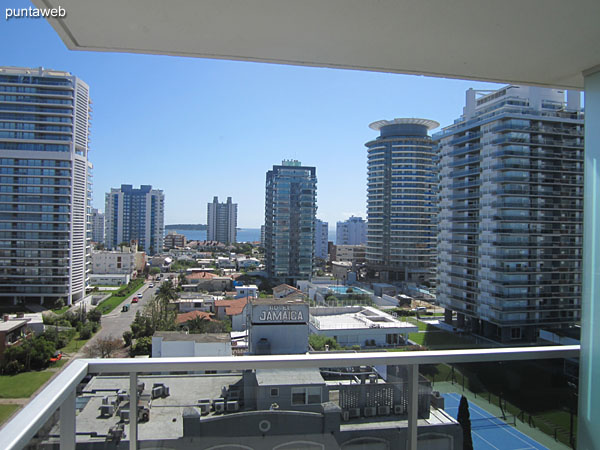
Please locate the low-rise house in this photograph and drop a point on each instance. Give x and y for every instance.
(246, 291)
(359, 325)
(192, 301)
(247, 263)
(235, 310)
(167, 344)
(283, 290)
(184, 318)
(12, 332)
(225, 263)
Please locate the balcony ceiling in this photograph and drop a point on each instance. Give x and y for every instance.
(542, 42)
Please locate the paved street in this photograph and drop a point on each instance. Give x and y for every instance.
(117, 322)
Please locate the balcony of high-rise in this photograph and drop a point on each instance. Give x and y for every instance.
(539, 43)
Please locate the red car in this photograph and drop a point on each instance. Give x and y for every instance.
(134, 300)
(57, 357)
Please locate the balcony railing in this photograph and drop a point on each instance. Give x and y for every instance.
(60, 394)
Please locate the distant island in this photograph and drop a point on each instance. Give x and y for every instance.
(186, 226)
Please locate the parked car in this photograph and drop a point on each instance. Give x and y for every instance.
(151, 285)
(57, 357)
(134, 300)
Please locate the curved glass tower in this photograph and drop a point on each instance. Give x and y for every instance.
(401, 183)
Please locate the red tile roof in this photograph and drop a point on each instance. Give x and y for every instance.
(197, 275)
(186, 317)
(232, 307)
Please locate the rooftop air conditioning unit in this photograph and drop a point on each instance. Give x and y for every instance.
(399, 409)
(354, 412)
(204, 408)
(345, 416)
(219, 407)
(124, 415)
(107, 410)
(383, 410)
(233, 406)
(370, 411)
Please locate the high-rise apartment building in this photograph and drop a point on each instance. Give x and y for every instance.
(97, 221)
(511, 212)
(135, 215)
(290, 209)
(351, 232)
(401, 201)
(321, 236)
(222, 221)
(45, 186)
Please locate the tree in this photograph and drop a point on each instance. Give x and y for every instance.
(143, 346)
(464, 418)
(318, 342)
(94, 315)
(104, 347)
(200, 325)
(154, 270)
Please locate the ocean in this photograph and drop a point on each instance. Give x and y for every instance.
(243, 234)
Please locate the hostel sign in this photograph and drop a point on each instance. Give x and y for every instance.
(280, 313)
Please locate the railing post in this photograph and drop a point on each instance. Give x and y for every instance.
(413, 405)
(67, 422)
(133, 411)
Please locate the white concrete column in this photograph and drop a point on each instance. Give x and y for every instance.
(413, 406)
(588, 434)
(133, 411)
(67, 423)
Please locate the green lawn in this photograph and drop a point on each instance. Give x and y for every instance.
(441, 340)
(6, 411)
(61, 311)
(74, 345)
(22, 385)
(117, 298)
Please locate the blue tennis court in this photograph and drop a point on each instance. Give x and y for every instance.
(489, 432)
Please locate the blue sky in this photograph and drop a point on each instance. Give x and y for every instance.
(197, 128)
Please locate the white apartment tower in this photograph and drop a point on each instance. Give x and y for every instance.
(321, 237)
(135, 215)
(221, 221)
(351, 232)
(511, 212)
(401, 201)
(97, 221)
(45, 186)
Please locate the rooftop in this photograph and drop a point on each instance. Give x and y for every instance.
(200, 338)
(356, 317)
(281, 377)
(12, 325)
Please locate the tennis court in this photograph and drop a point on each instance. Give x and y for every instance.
(489, 432)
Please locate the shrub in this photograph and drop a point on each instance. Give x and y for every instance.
(143, 346)
(319, 342)
(86, 331)
(13, 367)
(127, 337)
(94, 315)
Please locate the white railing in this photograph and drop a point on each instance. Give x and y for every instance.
(60, 392)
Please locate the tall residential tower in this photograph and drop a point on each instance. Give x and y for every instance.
(290, 209)
(511, 212)
(135, 214)
(222, 221)
(351, 232)
(401, 201)
(45, 186)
